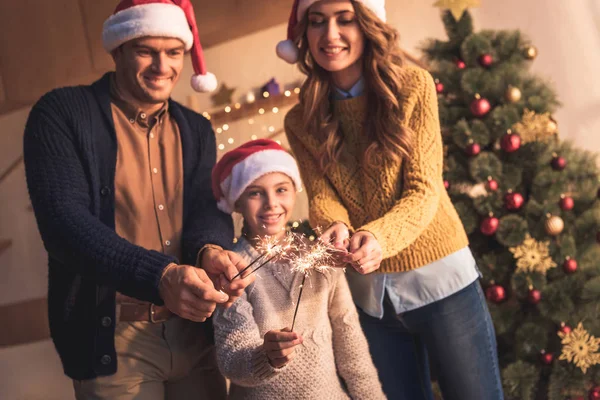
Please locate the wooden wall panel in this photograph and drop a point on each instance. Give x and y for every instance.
(2, 94)
(223, 20)
(42, 46)
(94, 13)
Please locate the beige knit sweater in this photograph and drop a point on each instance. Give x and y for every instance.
(332, 363)
(404, 204)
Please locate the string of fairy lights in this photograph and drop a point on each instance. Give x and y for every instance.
(230, 122)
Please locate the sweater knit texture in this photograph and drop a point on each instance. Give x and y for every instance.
(404, 204)
(333, 362)
(70, 151)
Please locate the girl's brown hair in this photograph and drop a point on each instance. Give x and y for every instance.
(382, 64)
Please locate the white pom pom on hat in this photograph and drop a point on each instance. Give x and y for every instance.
(287, 49)
(133, 19)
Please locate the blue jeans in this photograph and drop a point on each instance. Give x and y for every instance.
(455, 334)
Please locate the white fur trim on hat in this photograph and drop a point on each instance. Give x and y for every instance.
(155, 19)
(287, 51)
(377, 6)
(204, 83)
(253, 167)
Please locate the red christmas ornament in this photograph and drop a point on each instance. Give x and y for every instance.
(492, 184)
(558, 163)
(570, 265)
(473, 149)
(546, 358)
(534, 296)
(566, 329)
(594, 393)
(480, 106)
(439, 87)
(513, 201)
(510, 142)
(566, 203)
(486, 60)
(489, 225)
(495, 294)
(446, 184)
(460, 64)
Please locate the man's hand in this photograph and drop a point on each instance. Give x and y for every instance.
(279, 346)
(188, 292)
(222, 266)
(365, 252)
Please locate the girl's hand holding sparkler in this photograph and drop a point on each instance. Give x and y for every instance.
(280, 345)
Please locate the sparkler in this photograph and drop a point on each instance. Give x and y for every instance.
(268, 246)
(316, 256)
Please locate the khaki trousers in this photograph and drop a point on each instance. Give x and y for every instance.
(172, 360)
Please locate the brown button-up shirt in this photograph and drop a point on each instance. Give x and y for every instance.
(148, 177)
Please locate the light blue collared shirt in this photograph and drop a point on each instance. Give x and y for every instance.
(415, 288)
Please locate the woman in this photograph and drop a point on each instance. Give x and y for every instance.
(367, 138)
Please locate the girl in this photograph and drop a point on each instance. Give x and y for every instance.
(367, 138)
(328, 356)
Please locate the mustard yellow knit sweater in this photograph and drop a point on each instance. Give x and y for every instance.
(404, 204)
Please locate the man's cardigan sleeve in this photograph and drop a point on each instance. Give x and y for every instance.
(61, 198)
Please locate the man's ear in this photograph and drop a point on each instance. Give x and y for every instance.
(236, 206)
(116, 53)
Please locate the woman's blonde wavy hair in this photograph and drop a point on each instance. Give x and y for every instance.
(382, 64)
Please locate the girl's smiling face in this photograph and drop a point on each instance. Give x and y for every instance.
(267, 205)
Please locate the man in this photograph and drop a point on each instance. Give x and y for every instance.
(119, 179)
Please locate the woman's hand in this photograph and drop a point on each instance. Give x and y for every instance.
(338, 236)
(279, 346)
(365, 252)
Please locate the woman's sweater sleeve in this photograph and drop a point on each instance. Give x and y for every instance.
(239, 346)
(422, 175)
(325, 205)
(350, 347)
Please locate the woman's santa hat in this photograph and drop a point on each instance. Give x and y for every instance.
(238, 168)
(287, 49)
(133, 19)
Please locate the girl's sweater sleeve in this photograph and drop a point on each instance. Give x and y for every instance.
(325, 205)
(350, 347)
(417, 207)
(239, 346)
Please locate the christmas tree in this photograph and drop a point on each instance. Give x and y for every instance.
(529, 202)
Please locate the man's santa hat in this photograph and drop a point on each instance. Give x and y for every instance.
(287, 49)
(238, 168)
(133, 19)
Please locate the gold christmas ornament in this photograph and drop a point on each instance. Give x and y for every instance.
(554, 225)
(535, 127)
(533, 256)
(531, 52)
(580, 348)
(456, 7)
(513, 94)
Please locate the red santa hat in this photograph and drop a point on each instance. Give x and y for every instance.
(238, 168)
(133, 19)
(287, 49)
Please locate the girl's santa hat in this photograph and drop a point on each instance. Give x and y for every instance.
(238, 168)
(133, 19)
(288, 50)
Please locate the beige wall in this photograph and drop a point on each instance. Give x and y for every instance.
(566, 34)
